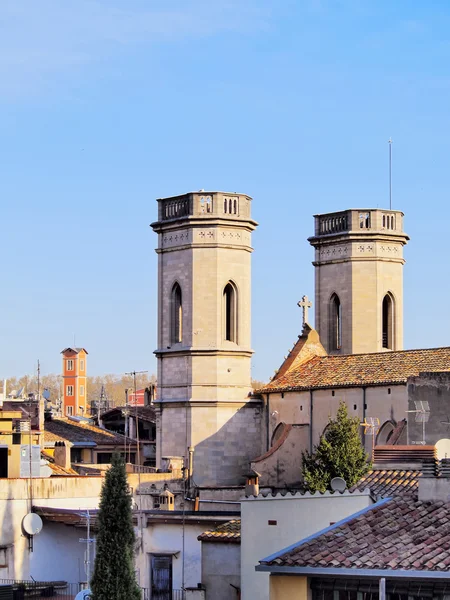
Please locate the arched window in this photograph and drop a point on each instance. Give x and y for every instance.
(230, 309)
(388, 323)
(335, 323)
(176, 321)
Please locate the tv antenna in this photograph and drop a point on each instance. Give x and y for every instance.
(390, 142)
(371, 427)
(422, 413)
(133, 374)
(88, 540)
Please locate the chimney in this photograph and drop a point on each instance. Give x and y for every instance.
(252, 483)
(61, 454)
(434, 485)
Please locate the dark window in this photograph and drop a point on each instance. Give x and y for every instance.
(3, 463)
(104, 458)
(176, 332)
(388, 322)
(75, 455)
(230, 312)
(16, 438)
(335, 323)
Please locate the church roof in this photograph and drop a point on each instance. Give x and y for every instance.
(380, 368)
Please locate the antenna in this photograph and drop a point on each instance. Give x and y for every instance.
(390, 142)
(133, 374)
(371, 426)
(422, 413)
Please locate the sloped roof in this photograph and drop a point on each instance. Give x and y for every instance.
(397, 534)
(56, 469)
(145, 413)
(76, 350)
(390, 482)
(60, 429)
(380, 368)
(226, 532)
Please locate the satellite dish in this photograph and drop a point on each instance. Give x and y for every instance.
(32, 524)
(443, 448)
(338, 484)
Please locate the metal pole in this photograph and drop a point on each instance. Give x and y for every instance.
(382, 589)
(88, 549)
(390, 173)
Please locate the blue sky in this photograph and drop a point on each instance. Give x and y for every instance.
(106, 105)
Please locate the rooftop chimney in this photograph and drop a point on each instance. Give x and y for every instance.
(434, 485)
(61, 454)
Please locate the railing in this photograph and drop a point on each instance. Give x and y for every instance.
(174, 208)
(147, 594)
(142, 469)
(21, 589)
(333, 223)
(59, 590)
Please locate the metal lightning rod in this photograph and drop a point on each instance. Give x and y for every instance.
(390, 142)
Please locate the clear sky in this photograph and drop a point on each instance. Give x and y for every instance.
(106, 105)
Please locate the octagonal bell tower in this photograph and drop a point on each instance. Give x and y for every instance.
(359, 280)
(204, 352)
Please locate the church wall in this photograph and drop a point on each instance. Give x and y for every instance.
(379, 403)
(433, 388)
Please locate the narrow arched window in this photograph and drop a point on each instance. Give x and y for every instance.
(335, 323)
(225, 204)
(176, 324)
(392, 222)
(230, 312)
(387, 310)
(384, 220)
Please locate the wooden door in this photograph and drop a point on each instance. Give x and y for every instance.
(161, 566)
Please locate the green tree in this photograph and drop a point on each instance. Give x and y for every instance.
(114, 577)
(340, 453)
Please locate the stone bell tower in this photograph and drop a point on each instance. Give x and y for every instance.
(359, 280)
(204, 353)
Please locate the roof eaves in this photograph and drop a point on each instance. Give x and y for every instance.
(355, 572)
(324, 531)
(334, 386)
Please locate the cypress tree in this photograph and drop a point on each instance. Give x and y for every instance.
(114, 577)
(340, 453)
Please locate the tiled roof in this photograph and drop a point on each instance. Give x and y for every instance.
(401, 533)
(56, 469)
(226, 532)
(391, 482)
(60, 429)
(145, 413)
(380, 368)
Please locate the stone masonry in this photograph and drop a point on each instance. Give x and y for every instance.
(204, 380)
(359, 257)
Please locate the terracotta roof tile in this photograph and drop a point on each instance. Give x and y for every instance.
(399, 533)
(60, 429)
(357, 369)
(390, 482)
(226, 532)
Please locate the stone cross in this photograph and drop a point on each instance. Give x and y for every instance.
(304, 305)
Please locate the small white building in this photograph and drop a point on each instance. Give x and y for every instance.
(273, 522)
